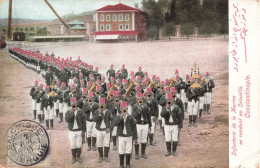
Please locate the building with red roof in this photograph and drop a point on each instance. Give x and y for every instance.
(119, 22)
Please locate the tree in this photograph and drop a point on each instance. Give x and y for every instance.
(222, 15)
(169, 29)
(187, 29)
(209, 27)
(42, 32)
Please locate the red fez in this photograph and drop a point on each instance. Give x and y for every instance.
(138, 88)
(117, 74)
(140, 67)
(85, 90)
(102, 100)
(187, 76)
(96, 68)
(41, 85)
(73, 86)
(75, 78)
(111, 65)
(177, 76)
(73, 100)
(63, 84)
(122, 69)
(139, 77)
(176, 72)
(162, 83)
(154, 76)
(98, 81)
(192, 79)
(144, 82)
(36, 82)
(149, 90)
(157, 78)
(139, 95)
(200, 76)
(145, 73)
(147, 78)
(70, 58)
(47, 87)
(112, 78)
(123, 104)
(125, 81)
(78, 57)
(82, 82)
(103, 77)
(98, 87)
(81, 74)
(58, 81)
(123, 65)
(90, 94)
(173, 90)
(169, 96)
(77, 68)
(108, 85)
(89, 84)
(167, 88)
(133, 77)
(207, 73)
(132, 72)
(116, 93)
(167, 81)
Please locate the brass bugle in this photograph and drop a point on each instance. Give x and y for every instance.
(169, 102)
(117, 100)
(97, 93)
(140, 101)
(149, 95)
(162, 87)
(124, 111)
(74, 91)
(90, 100)
(101, 106)
(84, 97)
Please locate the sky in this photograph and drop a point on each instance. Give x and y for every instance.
(38, 9)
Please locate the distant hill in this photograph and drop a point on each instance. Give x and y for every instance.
(4, 21)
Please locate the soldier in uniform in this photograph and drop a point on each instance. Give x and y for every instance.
(193, 104)
(77, 127)
(111, 72)
(103, 120)
(153, 110)
(48, 77)
(171, 114)
(124, 72)
(47, 106)
(187, 86)
(96, 74)
(143, 124)
(89, 108)
(127, 134)
(208, 94)
(61, 99)
(139, 72)
(38, 94)
(33, 90)
(201, 93)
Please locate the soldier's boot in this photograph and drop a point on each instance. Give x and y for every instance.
(61, 117)
(89, 143)
(121, 159)
(168, 147)
(94, 140)
(137, 151)
(204, 108)
(100, 151)
(128, 156)
(163, 133)
(114, 143)
(143, 146)
(43, 117)
(40, 118)
(195, 120)
(83, 138)
(51, 122)
(174, 148)
(73, 151)
(106, 154)
(186, 105)
(200, 113)
(208, 106)
(34, 114)
(190, 121)
(47, 124)
(57, 113)
(78, 155)
(160, 123)
(151, 139)
(179, 142)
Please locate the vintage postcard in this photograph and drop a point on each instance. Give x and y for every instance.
(129, 83)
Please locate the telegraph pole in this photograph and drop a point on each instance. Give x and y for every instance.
(9, 26)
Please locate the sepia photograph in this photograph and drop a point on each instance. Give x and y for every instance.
(114, 83)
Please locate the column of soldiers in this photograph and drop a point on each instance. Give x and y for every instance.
(124, 109)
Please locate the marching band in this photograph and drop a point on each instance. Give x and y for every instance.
(125, 109)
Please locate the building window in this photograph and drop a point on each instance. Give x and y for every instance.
(101, 27)
(108, 27)
(126, 17)
(120, 26)
(127, 27)
(102, 17)
(114, 17)
(120, 17)
(108, 16)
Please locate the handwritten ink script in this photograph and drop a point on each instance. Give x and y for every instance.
(238, 35)
(240, 110)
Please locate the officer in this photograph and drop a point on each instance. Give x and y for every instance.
(47, 106)
(208, 94)
(48, 77)
(34, 89)
(139, 72)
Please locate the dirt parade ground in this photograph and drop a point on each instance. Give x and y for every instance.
(202, 146)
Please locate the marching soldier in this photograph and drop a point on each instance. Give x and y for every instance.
(115, 111)
(139, 72)
(201, 92)
(96, 74)
(127, 134)
(34, 104)
(64, 76)
(77, 127)
(48, 77)
(38, 94)
(89, 108)
(124, 71)
(143, 124)
(62, 93)
(187, 85)
(103, 125)
(153, 110)
(171, 114)
(47, 106)
(208, 94)
(162, 98)
(111, 72)
(193, 104)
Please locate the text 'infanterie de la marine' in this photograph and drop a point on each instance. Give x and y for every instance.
(240, 109)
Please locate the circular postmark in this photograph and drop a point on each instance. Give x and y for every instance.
(28, 142)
